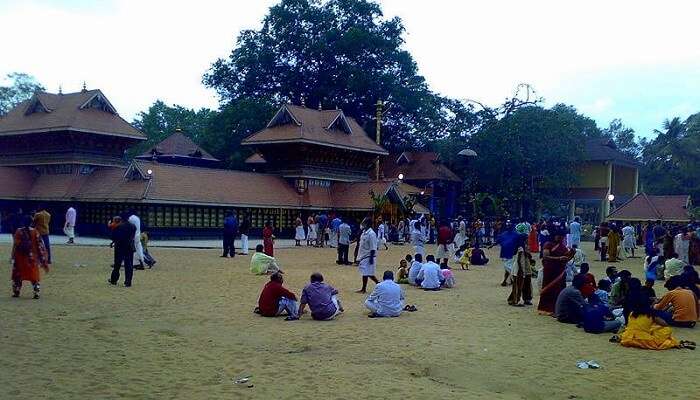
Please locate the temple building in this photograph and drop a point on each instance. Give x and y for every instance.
(62, 150)
(179, 149)
(439, 186)
(643, 207)
(606, 177)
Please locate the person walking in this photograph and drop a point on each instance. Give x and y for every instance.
(42, 220)
(244, 229)
(123, 239)
(69, 225)
(28, 255)
(138, 247)
(344, 233)
(367, 254)
(230, 228)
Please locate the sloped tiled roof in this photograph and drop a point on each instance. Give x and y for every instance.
(189, 185)
(178, 145)
(643, 207)
(312, 126)
(417, 166)
(64, 112)
(605, 150)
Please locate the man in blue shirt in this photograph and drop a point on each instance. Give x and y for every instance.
(230, 230)
(509, 242)
(335, 225)
(321, 298)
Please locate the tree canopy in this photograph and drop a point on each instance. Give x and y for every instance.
(338, 53)
(22, 86)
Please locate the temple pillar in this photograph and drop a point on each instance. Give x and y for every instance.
(636, 181)
(572, 209)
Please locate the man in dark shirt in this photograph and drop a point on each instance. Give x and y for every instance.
(275, 299)
(570, 303)
(230, 228)
(123, 239)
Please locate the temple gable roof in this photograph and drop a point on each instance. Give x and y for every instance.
(297, 124)
(85, 111)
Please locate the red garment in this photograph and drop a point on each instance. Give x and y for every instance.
(532, 241)
(445, 235)
(268, 303)
(552, 277)
(26, 266)
(268, 243)
(589, 285)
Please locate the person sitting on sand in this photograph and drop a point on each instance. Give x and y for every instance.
(429, 276)
(386, 300)
(275, 299)
(611, 274)
(262, 264)
(589, 286)
(569, 306)
(402, 272)
(321, 298)
(597, 317)
(646, 331)
(478, 257)
(448, 278)
(620, 288)
(415, 269)
(673, 266)
(603, 291)
(678, 307)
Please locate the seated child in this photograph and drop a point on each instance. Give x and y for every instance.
(448, 279)
(597, 317)
(579, 257)
(402, 273)
(262, 264)
(603, 291)
(478, 257)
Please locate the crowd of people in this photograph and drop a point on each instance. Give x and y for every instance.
(568, 291)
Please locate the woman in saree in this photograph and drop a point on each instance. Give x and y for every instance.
(555, 255)
(646, 331)
(613, 244)
(268, 240)
(532, 241)
(28, 255)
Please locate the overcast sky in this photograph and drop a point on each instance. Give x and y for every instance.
(636, 60)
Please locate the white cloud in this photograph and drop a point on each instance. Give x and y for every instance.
(138, 51)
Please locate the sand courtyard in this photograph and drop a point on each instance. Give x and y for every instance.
(186, 331)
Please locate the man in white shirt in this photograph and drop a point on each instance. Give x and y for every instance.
(367, 254)
(69, 226)
(138, 253)
(381, 233)
(344, 233)
(416, 266)
(430, 275)
(386, 299)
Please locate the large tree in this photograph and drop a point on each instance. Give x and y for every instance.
(672, 159)
(624, 138)
(338, 53)
(161, 120)
(528, 158)
(21, 87)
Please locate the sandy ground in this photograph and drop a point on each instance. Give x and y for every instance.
(186, 330)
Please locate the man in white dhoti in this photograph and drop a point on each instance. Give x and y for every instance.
(381, 234)
(628, 240)
(367, 254)
(681, 245)
(575, 232)
(69, 226)
(386, 299)
(138, 248)
(417, 238)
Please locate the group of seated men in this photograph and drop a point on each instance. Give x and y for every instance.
(386, 300)
(427, 275)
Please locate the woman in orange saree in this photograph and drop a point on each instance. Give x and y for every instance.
(28, 255)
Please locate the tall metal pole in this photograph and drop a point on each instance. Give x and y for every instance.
(379, 132)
